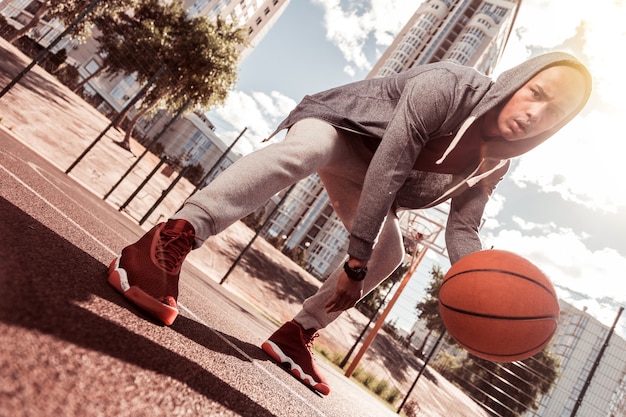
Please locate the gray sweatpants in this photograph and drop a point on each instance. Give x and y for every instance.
(311, 145)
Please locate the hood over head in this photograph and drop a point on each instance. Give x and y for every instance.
(512, 80)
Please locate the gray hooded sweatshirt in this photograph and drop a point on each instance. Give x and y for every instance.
(400, 114)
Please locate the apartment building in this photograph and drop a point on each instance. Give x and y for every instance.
(592, 376)
(257, 16)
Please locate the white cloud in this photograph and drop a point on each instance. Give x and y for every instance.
(493, 207)
(350, 25)
(582, 162)
(563, 256)
(349, 69)
(389, 16)
(531, 226)
(258, 112)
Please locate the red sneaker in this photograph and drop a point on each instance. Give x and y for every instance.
(291, 346)
(147, 271)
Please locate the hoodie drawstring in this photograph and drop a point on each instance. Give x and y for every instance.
(466, 124)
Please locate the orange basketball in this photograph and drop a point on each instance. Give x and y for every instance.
(498, 306)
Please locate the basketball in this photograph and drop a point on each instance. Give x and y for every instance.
(498, 306)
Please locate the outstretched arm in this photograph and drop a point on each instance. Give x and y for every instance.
(424, 106)
(466, 213)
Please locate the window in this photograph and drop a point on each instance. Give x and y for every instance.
(197, 7)
(197, 145)
(92, 66)
(122, 91)
(33, 7)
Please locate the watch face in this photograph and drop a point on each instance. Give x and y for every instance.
(356, 274)
(360, 276)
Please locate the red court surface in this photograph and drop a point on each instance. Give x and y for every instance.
(71, 346)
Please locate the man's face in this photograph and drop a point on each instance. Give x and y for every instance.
(538, 106)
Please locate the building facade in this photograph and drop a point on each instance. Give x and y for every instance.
(592, 376)
(468, 32)
(19, 13)
(256, 16)
(191, 140)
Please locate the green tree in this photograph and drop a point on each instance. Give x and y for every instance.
(199, 56)
(195, 173)
(68, 75)
(428, 309)
(297, 255)
(67, 11)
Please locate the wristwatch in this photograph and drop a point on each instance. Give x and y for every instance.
(355, 274)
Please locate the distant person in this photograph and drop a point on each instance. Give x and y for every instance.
(409, 141)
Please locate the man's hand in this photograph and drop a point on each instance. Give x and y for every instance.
(347, 293)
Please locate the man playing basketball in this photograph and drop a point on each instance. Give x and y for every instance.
(433, 133)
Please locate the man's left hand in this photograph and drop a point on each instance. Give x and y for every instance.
(347, 293)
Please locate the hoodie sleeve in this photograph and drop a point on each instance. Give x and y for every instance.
(466, 213)
(422, 108)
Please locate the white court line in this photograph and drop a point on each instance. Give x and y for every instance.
(191, 313)
(59, 211)
(252, 360)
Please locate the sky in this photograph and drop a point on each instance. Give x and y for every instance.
(562, 205)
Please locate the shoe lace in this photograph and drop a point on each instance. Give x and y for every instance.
(308, 341)
(172, 248)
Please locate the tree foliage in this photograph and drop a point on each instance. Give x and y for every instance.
(67, 11)
(199, 57)
(195, 173)
(297, 254)
(256, 219)
(428, 309)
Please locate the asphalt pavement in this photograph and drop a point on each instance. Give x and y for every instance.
(71, 346)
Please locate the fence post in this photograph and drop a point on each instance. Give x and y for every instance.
(579, 401)
(430, 355)
(346, 358)
(164, 194)
(148, 148)
(379, 323)
(116, 118)
(143, 183)
(215, 165)
(236, 261)
(220, 159)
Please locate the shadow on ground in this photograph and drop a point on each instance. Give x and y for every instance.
(287, 283)
(44, 278)
(13, 65)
